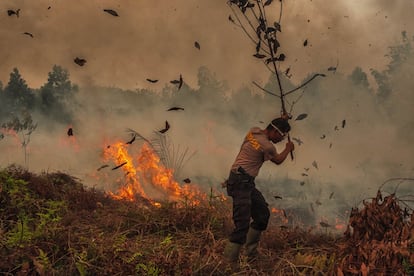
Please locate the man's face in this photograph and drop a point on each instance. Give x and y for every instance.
(275, 136)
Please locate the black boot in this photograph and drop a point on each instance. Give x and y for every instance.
(252, 242)
(231, 255)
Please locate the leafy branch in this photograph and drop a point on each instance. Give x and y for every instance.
(264, 35)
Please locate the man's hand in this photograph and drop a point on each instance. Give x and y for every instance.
(290, 146)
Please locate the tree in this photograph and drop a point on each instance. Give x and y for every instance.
(251, 17)
(57, 96)
(398, 55)
(22, 125)
(17, 95)
(359, 77)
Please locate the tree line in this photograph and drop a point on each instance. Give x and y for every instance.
(52, 99)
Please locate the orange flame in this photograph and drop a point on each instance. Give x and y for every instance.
(12, 133)
(147, 174)
(119, 153)
(339, 225)
(281, 214)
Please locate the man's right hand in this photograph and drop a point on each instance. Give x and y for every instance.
(290, 146)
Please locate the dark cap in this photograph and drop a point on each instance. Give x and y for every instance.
(281, 124)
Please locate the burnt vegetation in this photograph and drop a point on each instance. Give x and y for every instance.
(53, 225)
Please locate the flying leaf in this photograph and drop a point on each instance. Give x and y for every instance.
(12, 12)
(29, 34)
(167, 127)
(102, 167)
(151, 80)
(301, 116)
(111, 12)
(300, 142)
(197, 45)
(120, 165)
(132, 140)
(175, 108)
(315, 164)
(79, 61)
(180, 84)
(305, 43)
(343, 123)
(231, 19)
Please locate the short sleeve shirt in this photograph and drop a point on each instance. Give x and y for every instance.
(256, 149)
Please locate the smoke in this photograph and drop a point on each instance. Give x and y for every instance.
(157, 41)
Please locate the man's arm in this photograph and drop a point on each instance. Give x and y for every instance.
(280, 157)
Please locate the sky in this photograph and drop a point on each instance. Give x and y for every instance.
(156, 40)
(152, 39)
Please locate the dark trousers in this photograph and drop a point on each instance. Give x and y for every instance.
(250, 209)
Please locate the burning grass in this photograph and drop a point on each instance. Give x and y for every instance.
(52, 225)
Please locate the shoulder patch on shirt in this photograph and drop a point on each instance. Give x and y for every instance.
(253, 142)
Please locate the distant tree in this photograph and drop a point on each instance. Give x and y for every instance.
(17, 95)
(57, 96)
(398, 55)
(359, 77)
(22, 125)
(212, 91)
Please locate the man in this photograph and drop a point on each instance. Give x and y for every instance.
(248, 202)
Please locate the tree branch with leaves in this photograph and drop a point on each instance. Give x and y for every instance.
(251, 17)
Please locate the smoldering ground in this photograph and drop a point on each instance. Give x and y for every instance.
(351, 161)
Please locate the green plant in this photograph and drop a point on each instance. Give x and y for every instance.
(42, 262)
(149, 269)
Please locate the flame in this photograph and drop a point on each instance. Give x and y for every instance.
(281, 214)
(339, 224)
(12, 133)
(119, 154)
(144, 173)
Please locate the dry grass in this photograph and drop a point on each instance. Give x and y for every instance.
(52, 225)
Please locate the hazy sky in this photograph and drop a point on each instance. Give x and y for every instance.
(153, 39)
